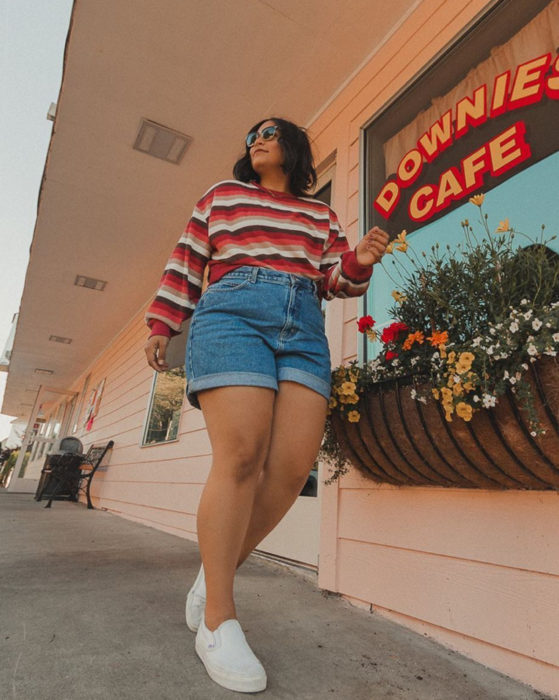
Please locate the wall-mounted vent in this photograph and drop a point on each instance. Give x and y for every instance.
(39, 370)
(60, 339)
(161, 142)
(90, 283)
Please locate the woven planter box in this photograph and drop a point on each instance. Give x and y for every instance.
(402, 441)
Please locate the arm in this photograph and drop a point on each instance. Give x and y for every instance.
(347, 272)
(180, 285)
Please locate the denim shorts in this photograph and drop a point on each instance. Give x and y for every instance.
(257, 327)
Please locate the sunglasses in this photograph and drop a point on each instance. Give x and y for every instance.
(266, 134)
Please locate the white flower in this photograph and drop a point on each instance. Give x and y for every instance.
(477, 341)
(524, 366)
(512, 380)
(524, 302)
(395, 363)
(476, 398)
(555, 337)
(414, 361)
(532, 349)
(489, 401)
(528, 315)
(413, 394)
(550, 352)
(537, 324)
(490, 350)
(492, 331)
(513, 327)
(533, 433)
(506, 374)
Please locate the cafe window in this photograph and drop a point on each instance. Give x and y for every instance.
(482, 118)
(165, 407)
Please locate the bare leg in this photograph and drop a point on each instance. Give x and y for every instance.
(297, 430)
(239, 420)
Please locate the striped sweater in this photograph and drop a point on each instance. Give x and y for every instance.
(237, 223)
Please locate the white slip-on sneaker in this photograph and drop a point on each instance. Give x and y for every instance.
(228, 659)
(196, 602)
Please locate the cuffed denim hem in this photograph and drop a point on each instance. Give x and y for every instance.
(291, 374)
(212, 381)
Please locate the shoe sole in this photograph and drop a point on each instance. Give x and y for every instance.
(248, 685)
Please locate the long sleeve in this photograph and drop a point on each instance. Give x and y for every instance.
(181, 283)
(343, 275)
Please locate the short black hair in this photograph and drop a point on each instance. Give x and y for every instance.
(298, 157)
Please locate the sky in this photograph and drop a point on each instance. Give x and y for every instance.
(32, 38)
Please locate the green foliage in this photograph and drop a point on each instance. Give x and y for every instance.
(469, 321)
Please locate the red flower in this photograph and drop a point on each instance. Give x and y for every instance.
(391, 332)
(365, 323)
(391, 355)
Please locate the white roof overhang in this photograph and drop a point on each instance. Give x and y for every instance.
(207, 68)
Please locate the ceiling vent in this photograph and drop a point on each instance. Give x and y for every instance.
(60, 339)
(161, 142)
(90, 283)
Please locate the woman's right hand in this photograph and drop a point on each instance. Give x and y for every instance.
(156, 348)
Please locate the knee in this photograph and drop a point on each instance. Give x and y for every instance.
(243, 461)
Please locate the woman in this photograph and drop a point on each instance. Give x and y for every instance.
(257, 361)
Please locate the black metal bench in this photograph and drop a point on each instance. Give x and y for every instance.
(71, 474)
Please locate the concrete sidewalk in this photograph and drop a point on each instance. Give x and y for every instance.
(92, 606)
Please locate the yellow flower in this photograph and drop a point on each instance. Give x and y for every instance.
(353, 416)
(353, 398)
(372, 335)
(477, 199)
(446, 394)
(448, 411)
(464, 410)
(435, 393)
(401, 239)
(468, 386)
(398, 297)
(332, 403)
(451, 357)
(347, 388)
(457, 389)
(503, 226)
(464, 362)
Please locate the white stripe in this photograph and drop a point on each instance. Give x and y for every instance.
(228, 251)
(318, 235)
(195, 244)
(181, 301)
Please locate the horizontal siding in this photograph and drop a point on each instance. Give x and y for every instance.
(157, 485)
(509, 608)
(476, 570)
(452, 523)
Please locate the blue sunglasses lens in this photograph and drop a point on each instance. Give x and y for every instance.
(268, 133)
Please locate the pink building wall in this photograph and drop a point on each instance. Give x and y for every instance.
(476, 570)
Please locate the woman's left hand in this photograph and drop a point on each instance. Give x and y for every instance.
(371, 247)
